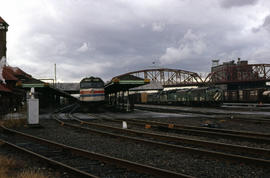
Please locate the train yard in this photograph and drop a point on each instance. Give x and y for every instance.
(154, 144)
(155, 122)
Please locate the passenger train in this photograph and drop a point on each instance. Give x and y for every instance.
(92, 93)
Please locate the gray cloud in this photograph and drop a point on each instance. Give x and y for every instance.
(191, 46)
(237, 3)
(266, 24)
(108, 38)
(158, 27)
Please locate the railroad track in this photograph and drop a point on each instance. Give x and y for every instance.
(231, 116)
(230, 152)
(81, 162)
(198, 131)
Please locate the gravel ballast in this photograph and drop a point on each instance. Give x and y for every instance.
(186, 163)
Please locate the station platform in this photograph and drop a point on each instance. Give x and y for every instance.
(244, 105)
(48, 95)
(117, 91)
(124, 83)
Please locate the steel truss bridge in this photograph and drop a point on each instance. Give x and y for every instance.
(180, 78)
(168, 77)
(240, 74)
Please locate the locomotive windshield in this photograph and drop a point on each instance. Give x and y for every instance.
(92, 85)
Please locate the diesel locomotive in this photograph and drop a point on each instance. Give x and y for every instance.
(203, 96)
(91, 93)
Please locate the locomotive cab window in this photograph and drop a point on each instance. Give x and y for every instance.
(84, 85)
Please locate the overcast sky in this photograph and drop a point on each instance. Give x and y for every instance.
(110, 37)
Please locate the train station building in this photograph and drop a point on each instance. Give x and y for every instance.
(15, 84)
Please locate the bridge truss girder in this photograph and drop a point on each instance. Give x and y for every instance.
(169, 77)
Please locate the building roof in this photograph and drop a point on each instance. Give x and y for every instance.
(8, 74)
(3, 88)
(18, 72)
(2, 21)
(124, 83)
(14, 73)
(128, 77)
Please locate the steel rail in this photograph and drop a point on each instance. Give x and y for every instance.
(209, 133)
(50, 161)
(215, 145)
(255, 136)
(104, 158)
(140, 107)
(261, 152)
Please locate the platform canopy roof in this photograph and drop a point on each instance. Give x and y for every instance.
(124, 83)
(43, 87)
(3, 21)
(14, 74)
(151, 86)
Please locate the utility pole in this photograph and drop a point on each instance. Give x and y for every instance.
(55, 73)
